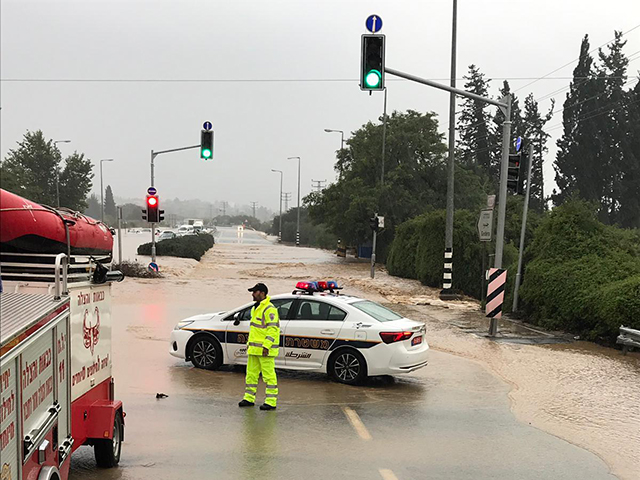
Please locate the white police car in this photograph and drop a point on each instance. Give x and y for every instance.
(320, 331)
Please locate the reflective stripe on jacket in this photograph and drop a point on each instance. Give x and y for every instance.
(265, 329)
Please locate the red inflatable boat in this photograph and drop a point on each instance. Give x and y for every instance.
(26, 227)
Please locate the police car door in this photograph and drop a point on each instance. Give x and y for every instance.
(311, 331)
(238, 335)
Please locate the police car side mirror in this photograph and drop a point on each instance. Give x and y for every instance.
(236, 319)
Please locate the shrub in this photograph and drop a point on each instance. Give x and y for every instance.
(189, 246)
(583, 276)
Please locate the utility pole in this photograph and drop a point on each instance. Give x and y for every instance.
(280, 218)
(153, 158)
(447, 275)
(384, 142)
(318, 185)
(525, 211)
(298, 222)
(253, 206)
(224, 209)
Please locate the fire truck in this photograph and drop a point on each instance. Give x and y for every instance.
(56, 387)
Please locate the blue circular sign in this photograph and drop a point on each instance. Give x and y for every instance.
(153, 267)
(207, 126)
(518, 144)
(152, 190)
(373, 23)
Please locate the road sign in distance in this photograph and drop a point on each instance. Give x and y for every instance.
(152, 190)
(485, 225)
(207, 126)
(373, 23)
(518, 144)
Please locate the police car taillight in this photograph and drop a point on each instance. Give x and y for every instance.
(392, 337)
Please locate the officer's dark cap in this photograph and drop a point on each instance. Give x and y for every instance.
(259, 287)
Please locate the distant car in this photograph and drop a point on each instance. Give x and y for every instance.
(186, 230)
(348, 337)
(166, 235)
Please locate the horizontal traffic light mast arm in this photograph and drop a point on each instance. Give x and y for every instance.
(447, 88)
(155, 154)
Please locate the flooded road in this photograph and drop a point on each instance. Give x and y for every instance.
(451, 420)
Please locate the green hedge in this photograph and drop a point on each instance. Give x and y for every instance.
(189, 246)
(583, 276)
(417, 251)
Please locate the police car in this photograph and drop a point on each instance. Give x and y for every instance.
(321, 330)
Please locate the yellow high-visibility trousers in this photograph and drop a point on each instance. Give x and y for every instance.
(266, 366)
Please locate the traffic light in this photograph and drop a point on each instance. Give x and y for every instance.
(152, 209)
(144, 213)
(374, 223)
(160, 215)
(513, 172)
(372, 64)
(206, 144)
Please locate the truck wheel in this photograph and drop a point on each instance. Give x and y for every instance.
(205, 353)
(107, 451)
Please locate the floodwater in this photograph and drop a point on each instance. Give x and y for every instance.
(452, 419)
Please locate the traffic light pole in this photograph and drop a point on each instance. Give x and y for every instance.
(153, 225)
(525, 211)
(505, 106)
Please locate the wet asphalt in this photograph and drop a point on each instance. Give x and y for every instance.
(450, 420)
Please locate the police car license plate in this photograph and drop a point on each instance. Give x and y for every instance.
(416, 341)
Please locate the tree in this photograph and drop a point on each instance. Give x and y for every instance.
(75, 182)
(93, 207)
(536, 137)
(415, 180)
(31, 171)
(597, 157)
(474, 125)
(109, 203)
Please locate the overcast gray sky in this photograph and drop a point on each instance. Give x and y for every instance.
(259, 124)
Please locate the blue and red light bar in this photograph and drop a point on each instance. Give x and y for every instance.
(320, 286)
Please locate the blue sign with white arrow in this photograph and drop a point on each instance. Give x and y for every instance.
(518, 144)
(373, 23)
(207, 126)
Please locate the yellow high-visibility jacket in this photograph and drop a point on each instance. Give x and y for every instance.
(265, 329)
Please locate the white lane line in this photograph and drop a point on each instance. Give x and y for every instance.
(356, 423)
(387, 474)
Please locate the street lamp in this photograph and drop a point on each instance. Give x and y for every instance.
(55, 145)
(280, 227)
(328, 130)
(298, 225)
(102, 189)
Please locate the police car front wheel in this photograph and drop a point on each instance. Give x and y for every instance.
(348, 366)
(205, 353)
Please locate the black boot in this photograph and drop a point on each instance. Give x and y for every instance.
(267, 407)
(246, 403)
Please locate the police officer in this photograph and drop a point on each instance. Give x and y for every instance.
(262, 349)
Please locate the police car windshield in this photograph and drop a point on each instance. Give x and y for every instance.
(377, 311)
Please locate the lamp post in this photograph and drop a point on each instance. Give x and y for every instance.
(102, 189)
(328, 130)
(280, 227)
(55, 144)
(298, 224)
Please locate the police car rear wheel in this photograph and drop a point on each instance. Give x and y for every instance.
(206, 353)
(348, 366)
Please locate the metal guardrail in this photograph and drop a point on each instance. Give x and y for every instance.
(628, 338)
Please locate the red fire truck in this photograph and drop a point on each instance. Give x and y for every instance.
(56, 387)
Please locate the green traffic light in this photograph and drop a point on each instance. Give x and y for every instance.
(373, 79)
(206, 153)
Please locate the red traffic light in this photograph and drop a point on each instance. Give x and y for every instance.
(152, 201)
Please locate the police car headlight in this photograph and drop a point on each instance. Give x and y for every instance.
(183, 324)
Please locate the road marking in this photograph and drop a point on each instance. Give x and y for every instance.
(387, 474)
(356, 423)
